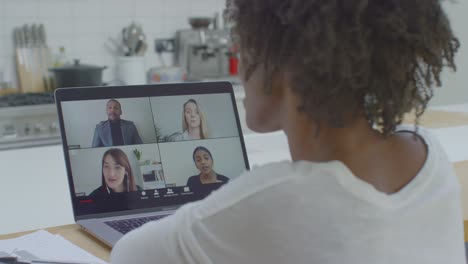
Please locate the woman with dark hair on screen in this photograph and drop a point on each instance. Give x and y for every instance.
(337, 77)
(208, 180)
(194, 125)
(117, 175)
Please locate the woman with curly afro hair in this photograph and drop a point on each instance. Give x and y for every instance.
(337, 76)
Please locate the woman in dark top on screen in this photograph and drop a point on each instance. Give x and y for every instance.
(208, 180)
(117, 176)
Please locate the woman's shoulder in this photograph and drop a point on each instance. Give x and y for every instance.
(287, 169)
(437, 163)
(430, 140)
(222, 178)
(279, 173)
(268, 182)
(193, 179)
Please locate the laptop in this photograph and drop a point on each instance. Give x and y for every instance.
(136, 153)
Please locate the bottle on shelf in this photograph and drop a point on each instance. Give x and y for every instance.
(61, 58)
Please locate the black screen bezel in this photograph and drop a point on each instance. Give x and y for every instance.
(136, 91)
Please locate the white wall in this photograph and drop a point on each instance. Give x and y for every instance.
(218, 110)
(84, 26)
(81, 117)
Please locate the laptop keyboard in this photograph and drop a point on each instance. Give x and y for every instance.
(126, 225)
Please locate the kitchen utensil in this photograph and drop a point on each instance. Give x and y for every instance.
(36, 61)
(29, 56)
(116, 48)
(25, 37)
(78, 75)
(141, 48)
(131, 36)
(46, 58)
(20, 56)
(32, 58)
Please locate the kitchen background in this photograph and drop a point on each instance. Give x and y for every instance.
(84, 28)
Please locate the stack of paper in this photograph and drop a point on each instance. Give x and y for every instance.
(42, 245)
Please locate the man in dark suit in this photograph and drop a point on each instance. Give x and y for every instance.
(115, 131)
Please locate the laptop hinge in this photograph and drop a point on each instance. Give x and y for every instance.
(169, 208)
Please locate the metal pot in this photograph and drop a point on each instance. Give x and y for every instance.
(78, 75)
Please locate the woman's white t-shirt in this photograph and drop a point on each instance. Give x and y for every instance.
(186, 136)
(309, 212)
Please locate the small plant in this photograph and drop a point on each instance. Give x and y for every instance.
(166, 138)
(137, 154)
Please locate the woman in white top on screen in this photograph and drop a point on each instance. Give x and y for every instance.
(337, 77)
(194, 124)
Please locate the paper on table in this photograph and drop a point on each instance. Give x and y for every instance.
(46, 246)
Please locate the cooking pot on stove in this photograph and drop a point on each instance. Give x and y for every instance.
(78, 75)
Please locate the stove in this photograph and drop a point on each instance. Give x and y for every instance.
(28, 120)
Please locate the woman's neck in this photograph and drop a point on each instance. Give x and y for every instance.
(209, 177)
(312, 141)
(194, 132)
(307, 141)
(386, 162)
(119, 189)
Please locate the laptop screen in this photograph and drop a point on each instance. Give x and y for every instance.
(131, 149)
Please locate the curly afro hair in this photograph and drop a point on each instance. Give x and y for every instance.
(380, 58)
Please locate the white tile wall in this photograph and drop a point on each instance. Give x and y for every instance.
(21, 8)
(87, 8)
(84, 26)
(2, 26)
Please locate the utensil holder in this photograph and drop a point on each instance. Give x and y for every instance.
(131, 70)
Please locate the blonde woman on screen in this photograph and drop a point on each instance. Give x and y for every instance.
(194, 125)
